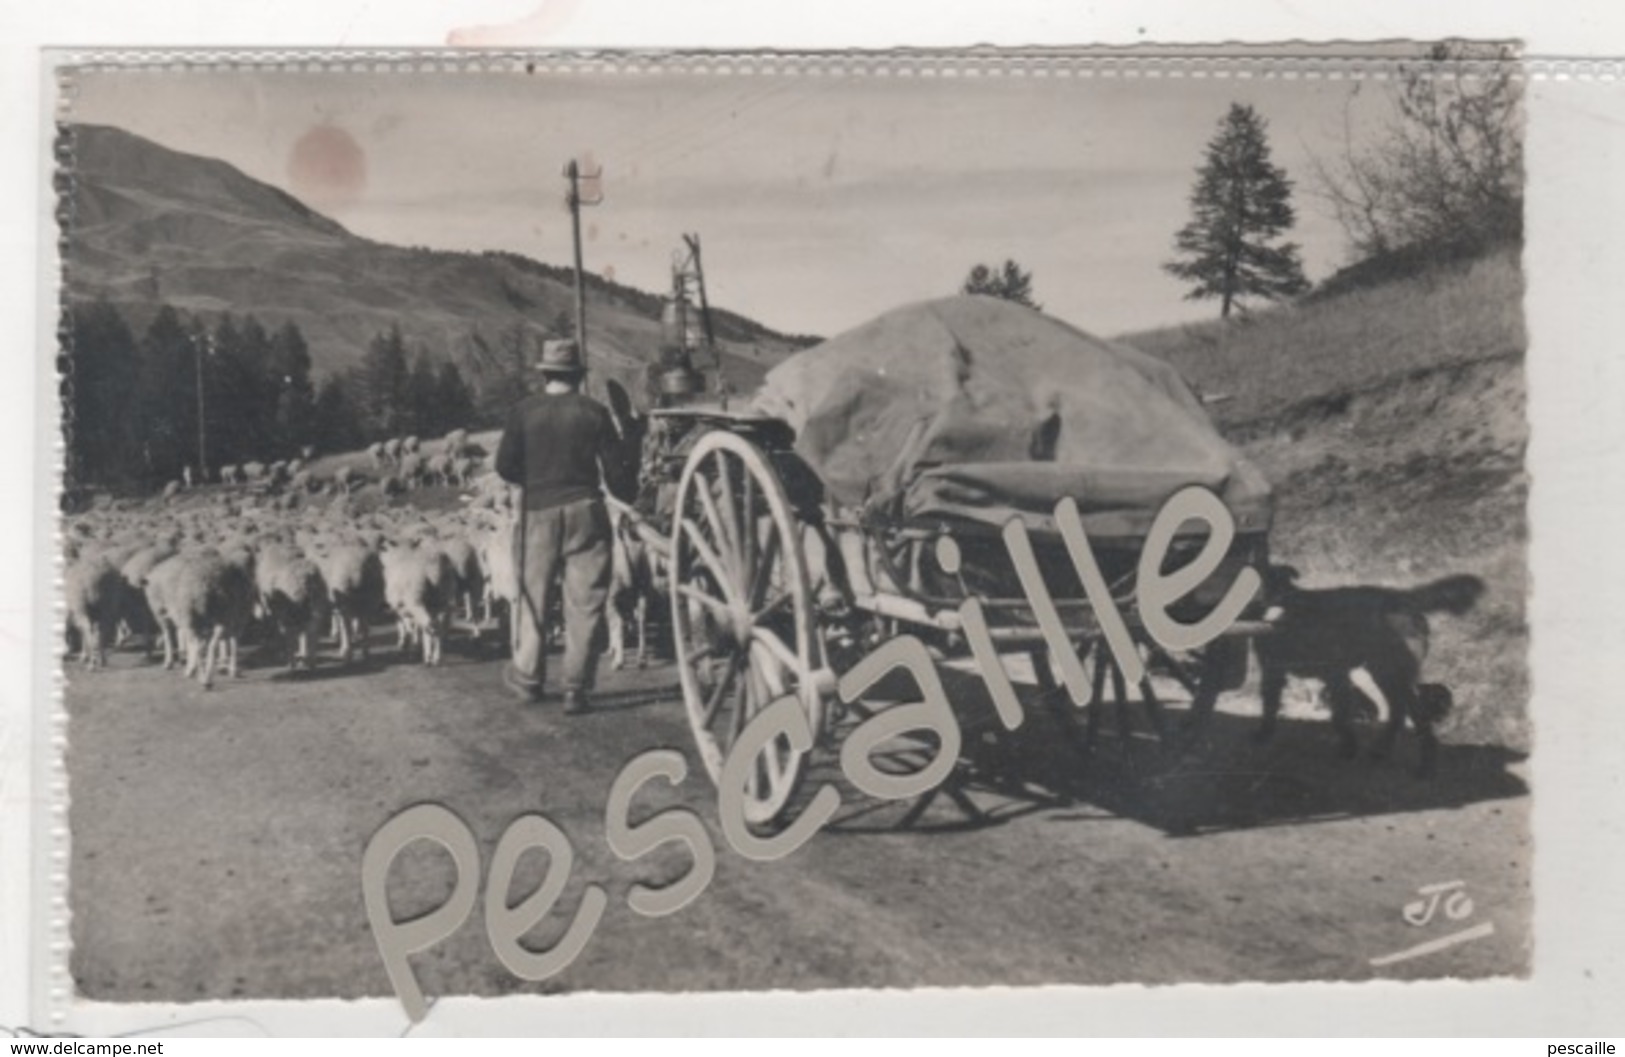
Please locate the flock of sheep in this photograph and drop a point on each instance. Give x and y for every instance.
(402, 464)
(192, 578)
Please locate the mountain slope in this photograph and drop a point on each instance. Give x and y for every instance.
(148, 225)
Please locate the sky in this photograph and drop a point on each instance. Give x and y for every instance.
(820, 201)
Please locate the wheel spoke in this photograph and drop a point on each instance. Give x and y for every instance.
(735, 523)
(715, 605)
(750, 530)
(707, 556)
(775, 647)
(722, 531)
(778, 601)
(761, 575)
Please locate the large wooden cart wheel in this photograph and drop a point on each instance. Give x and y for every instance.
(742, 612)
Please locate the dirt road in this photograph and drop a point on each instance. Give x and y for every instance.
(218, 836)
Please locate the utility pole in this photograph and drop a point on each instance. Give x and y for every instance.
(201, 343)
(573, 173)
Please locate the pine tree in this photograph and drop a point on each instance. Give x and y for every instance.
(1241, 204)
(453, 398)
(338, 424)
(101, 375)
(166, 394)
(423, 417)
(289, 372)
(382, 385)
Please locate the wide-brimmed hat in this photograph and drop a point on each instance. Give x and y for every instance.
(560, 356)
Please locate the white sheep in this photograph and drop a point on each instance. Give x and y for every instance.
(95, 595)
(157, 586)
(210, 600)
(420, 586)
(231, 474)
(253, 471)
(496, 552)
(375, 451)
(412, 469)
(355, 583)
(409, 445)
(134, 572)
(455, 442)
(294, 597)
(465, 560)
(392, 449)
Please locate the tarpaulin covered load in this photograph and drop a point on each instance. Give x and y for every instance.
(974, 407)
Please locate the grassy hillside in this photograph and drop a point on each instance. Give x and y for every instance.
(150, 226)
(1392, 423)
(1278, 359)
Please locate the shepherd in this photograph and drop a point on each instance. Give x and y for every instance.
(558, 446)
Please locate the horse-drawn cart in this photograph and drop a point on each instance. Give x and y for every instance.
(869, 491)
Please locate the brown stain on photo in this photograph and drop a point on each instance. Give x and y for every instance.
(541, 24)
(327, 169)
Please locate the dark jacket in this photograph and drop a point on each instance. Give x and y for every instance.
(557, 446)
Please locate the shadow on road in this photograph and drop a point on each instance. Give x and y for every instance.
(1224, 781)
